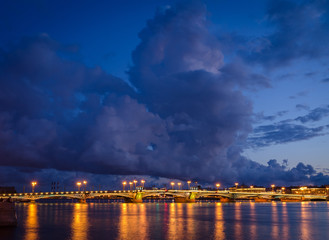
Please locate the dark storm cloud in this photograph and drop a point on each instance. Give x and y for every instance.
(283, 132)
(298, 25)
(187, 119)
(314, 115)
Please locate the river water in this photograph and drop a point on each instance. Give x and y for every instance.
(167, 220)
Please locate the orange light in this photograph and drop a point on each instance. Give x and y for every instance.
(188, 182)
(79, 184)
(85, 182)
(142, 181)
(124, 183)
(218, 185)
(172, 183)
(251, 186)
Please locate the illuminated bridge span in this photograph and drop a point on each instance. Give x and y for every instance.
(179, 195)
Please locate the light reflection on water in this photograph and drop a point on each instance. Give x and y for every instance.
(241, 220)
(80, 221)
(31, 224)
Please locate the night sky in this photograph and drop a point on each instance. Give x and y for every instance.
(209, 91)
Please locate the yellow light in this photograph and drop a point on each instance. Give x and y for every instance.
(84, 182)
(283, 188)
(124, 183)
(251, 186)
(188, 182)
(34, 183)
(172, 183)
(143, 181)
(272, 185)
(179, 184)
(131, 183)
(135, 181)
(236, 184)
(79, 184)
(217, 185)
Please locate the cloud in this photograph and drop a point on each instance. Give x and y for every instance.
(302, 107)
(188, 117)
(283, 132)
(314, 115)
(326, 80)
(297, 26)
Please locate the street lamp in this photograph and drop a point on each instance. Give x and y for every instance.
(217, 185)
(282, 189)
(179, 185)
(135, 181)
(143, 181)
(251, 186)
(85, 183)
(79, 184)
(33, 185)
(130, 185)
(188, 184)
(272, 186)
(172, 185)
(123, 185)
(236, 185)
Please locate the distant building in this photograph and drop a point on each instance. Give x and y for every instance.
(310, 190)
(7, 190)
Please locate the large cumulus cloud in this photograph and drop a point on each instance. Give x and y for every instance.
(185, 117)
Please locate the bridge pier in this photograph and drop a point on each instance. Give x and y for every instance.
(82, 200)
(258, 199)
(225, 200)
(183, 200)
(133, 200)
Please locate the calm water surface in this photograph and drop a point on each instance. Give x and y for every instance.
(202, 220)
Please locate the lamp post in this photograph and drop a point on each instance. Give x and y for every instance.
(236, 185)
(79, 184)
(123, 185)
(33, 185)
(188, 184)
(135, 181)
(272, 186)
(179, 184)
(131, 185)
(85, 183)
(282, 189)
(172, 185)
(217, 185)
(143, 181)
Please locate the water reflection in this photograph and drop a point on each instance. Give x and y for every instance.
(253, 227)
(285, 227)
(238, 221)
(133, 221)
(219, 222)
(305, 216)
(190, 222)
(275, 220)
(32, 224)
(80, 221)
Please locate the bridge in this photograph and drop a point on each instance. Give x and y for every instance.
(137, 196)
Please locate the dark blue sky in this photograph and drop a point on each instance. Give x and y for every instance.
(207, 90)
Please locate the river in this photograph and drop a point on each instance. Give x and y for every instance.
(168, 220)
